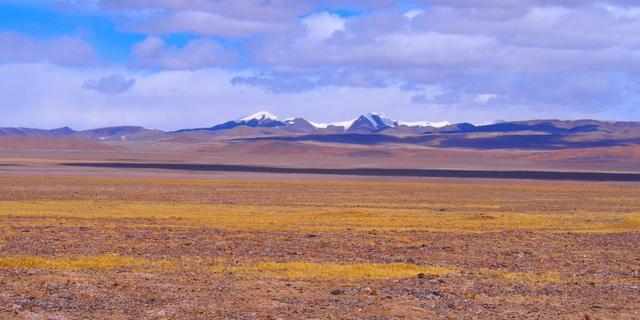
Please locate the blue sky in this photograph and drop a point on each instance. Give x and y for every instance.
(173, 64)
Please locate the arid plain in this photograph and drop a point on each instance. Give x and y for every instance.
(150, 244)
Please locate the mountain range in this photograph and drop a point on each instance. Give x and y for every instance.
(374, 129)
(367, 123)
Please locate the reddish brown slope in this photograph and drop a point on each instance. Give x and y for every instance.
(592, 154)
(52, 143)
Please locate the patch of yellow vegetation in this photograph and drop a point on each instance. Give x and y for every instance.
(376, 271)
(101, 262)
(630, 223)
(519, 277)
(317, 219)
(309, 270)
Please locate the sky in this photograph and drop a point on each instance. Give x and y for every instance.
(171, 64)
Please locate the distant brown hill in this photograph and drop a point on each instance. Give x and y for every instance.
(624, 153)
(368, 131)
(52, 143)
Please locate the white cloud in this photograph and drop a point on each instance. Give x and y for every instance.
(413, 13)
(196, 54)
(48, 96)
(17, 47)
(71, 51)
(112, 84)
(469, 52)
(523, 3)
(65, 50)
(232, 18)
(241, 9)
(624, 12)
(323, 25)
(485, 97)
(533, 57)
(202, 23)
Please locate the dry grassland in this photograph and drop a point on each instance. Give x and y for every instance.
(77, 248)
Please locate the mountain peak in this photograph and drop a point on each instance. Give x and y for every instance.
(380, 120)
(260, 116)
(365, 123)
(439, 124)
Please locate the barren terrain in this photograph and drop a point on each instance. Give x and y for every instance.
(25, 151)
(159, 246)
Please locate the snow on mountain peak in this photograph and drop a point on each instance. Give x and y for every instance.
(344, 124)
(260, 116)
(438, 124)
(380, 120)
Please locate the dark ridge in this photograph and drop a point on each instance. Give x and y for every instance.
(253, 123)
(529, 142)
(536, 175)
(547, 127)
(348, 138)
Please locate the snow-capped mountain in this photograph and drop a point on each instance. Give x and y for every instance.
(259, 116)
(374, 121)
(258, 119)
(300, 125)
(372, 128)
(380, 120)
(423, 124)
(262, 119)
(366, 123)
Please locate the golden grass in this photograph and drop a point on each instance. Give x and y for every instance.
(324, 271)
(632, 223)
(375, 271)
(464, 196)
(526, 277)
(287, 270)
(100, 262)
(284, 218)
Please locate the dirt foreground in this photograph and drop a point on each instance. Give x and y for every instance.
(177, 248)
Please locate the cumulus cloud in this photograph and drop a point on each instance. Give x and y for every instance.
(201, 23)
(290, 83)
(276, 84)
(322, 25)
(48, 96)
(71, 51)
(231, 18)
(153, 52)
(256, 9)
(539, 53)
(65, 50)
(16, 47)
(523, 3)
(454, 37)
(112, 84)
(451, 44)
(579, 56)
